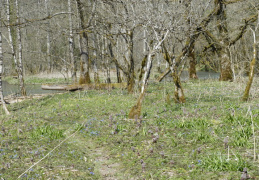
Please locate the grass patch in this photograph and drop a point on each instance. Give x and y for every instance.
(170, 141)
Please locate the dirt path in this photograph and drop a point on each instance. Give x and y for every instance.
(108, 169)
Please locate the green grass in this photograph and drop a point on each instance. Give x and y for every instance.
(171, 141)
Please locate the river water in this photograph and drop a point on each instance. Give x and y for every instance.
(200, 74)
(31, 89)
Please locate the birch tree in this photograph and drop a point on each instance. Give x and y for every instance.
(20, 61)
(1, 73)
(136, 109)
(12, 42)
(71, 45)
(48, 37)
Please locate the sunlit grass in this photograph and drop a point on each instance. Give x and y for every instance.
(170, 141)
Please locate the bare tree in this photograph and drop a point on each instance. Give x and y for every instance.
(136, 109)
(1, 73)
(71, 45)
(20, 61)
(252, 63)
(12, 43)
(50, 68)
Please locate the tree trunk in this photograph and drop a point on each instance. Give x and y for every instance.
(71, 45)
(142, 70)
(119, 80)
(252, 70)
(131, 75)
(48, 39)
(191, 52)
(192, 64)
(148, 60)
(178, 90)
(173, 64)
(1, 72)
(84, 64)
(226, 73)
(20, 63)
(94, 59)
(136, 110)
(11, 35)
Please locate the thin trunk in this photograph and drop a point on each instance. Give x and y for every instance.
(20, 63)
(119, 79)
(11, 35)
(136, 110)
(107, 64)
(95, 52)
(192, 64)
(96, 75)
(173, 64)
(118, 74)
(71, 45)
(1, 72)
(178, 92)
(142, 70)
(252, 70)
(131, 75)
(48, 38)
(108, 73)
(84, 64)
(191, 53)
(159, 69)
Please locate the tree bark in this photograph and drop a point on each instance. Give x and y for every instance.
(192, 64)
(173, 65)
(20, 62)
(131, 75)
(252, 70)
(226, 73)
(1, 72)
(11, 34)
(191, 53)
(17, 63)
(50, 66)
(147, 62)
(84, 63)
(136, 110)
(71, 45)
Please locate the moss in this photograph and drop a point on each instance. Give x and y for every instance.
(178, 93)
(130, 85)
(143, 64)
(192, 69)
(135, 111)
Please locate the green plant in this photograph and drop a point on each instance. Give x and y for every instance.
(220, 162)
(47, 131)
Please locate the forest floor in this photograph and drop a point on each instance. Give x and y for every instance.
(87, 134)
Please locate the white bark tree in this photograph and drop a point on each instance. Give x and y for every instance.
(20, 61)
(71, 44)
(48, 37)
(1, 73)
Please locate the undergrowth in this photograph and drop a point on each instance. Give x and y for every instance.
(209, 137)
